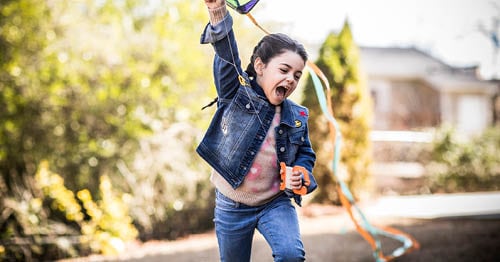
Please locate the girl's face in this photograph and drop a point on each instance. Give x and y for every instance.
(280, 76)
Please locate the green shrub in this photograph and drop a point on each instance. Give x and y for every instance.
(170, 193)
(84, 106)
(465, 165)
(339, 61)
(52, 223)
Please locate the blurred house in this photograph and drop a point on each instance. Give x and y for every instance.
(413, 91)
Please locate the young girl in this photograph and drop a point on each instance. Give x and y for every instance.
(255, 132)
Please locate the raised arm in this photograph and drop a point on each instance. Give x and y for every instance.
(219, 33)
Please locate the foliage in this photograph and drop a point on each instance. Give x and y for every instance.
(103, 90)
(104, 225)
(84, 85)
(60, 106)
(339, 61)
(465, 165)
(171, 197)
(70, 226)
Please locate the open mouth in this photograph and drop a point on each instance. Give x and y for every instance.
(281, 91)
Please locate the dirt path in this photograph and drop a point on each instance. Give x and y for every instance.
(329, 235)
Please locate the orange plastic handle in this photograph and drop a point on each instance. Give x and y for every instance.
(283, 176)
(307, 181)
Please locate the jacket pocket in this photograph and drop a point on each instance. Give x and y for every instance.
(238, 121)
(246, 104)
(296, 138)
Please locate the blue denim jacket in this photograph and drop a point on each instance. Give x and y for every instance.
(244, 115)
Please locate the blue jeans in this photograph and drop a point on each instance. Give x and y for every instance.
(277, 221)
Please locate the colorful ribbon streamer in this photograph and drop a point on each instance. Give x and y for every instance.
(369, 232)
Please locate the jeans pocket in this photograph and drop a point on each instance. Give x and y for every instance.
(224, 202)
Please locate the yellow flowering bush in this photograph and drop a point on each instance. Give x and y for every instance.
(52, 186)
(109, 226)
(105, 225)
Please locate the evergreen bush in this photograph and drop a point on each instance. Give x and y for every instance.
(339, 61)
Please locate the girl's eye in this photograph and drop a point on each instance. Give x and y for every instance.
(283, 70)
(297, 77)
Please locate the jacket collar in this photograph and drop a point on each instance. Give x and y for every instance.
(258, 89)
(287, 114)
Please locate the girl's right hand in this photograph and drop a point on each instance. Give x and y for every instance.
(214, 3)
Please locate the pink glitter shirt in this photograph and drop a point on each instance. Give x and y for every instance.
(262, 183)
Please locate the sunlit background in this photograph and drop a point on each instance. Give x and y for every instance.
(458, 32)
(100, 116)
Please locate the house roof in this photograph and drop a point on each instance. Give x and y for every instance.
(411, 63)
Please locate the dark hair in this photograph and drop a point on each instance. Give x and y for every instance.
(272, 45)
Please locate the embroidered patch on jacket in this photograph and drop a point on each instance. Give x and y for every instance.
(298, 123)
(243, 82)
(303, 113)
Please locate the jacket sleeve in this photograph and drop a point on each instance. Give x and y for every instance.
(227, 64)
(306, 158)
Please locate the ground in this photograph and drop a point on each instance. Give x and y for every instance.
(329, 235)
